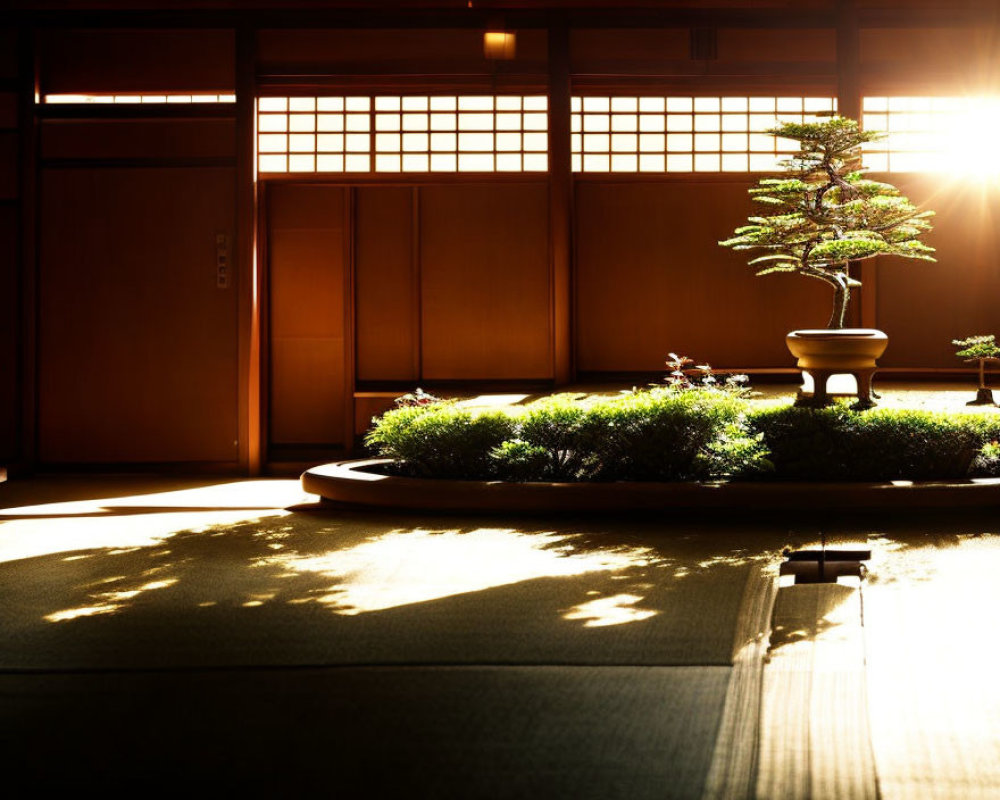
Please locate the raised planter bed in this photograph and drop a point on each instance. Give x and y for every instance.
(360, 484)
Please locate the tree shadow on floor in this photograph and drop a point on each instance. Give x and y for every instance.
(352, 588)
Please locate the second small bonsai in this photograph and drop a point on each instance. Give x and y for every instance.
(979, 349)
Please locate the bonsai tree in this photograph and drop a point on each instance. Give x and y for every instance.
(824, 214)
(981, 349)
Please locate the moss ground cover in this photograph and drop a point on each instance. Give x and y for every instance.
(664, 434)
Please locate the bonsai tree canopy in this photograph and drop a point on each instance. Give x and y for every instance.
(824, 214)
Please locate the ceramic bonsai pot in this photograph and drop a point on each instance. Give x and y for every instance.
(822, 353)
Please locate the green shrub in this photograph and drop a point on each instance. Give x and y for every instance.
(658, 435)
(667, 434)
(737, 453)
(836, 443)
(561, 427)
(663, 434)
(987, 463)
(517, 460)
(440, 440)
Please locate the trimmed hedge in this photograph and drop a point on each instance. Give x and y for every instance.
(836, 443)
(665, 434)
(655, 435)
(441, 441)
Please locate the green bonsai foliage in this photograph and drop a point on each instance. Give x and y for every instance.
(824, 214)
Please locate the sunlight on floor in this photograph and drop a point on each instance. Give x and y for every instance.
(616, 610)
(932, 657)
(113, 601)
(140, 520)
(413, 566)
(840, 383)
(492, 401)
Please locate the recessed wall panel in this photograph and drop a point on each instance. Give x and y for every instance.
(306, 269)
(651, 279)
(388, 337)
(485, 298)
(137, 344)
(922, 306)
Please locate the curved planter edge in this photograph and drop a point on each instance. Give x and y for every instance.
(348, 483)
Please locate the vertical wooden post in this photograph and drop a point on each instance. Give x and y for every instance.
(849, 93)
(417, 330)
(249, 275)
(848, 60)
(350, 317)
(28, 91)
(560, 205)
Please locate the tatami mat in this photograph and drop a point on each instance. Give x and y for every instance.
(232, 635)
(316, 588)
(559, 732)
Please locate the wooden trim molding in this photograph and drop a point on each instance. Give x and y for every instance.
(560, 206)
(249, 281)
(28, 179)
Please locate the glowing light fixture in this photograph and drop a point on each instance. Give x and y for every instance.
(499, 45)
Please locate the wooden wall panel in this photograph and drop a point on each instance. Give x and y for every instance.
(762, 45)
(207, 138)
(306, 242)
(10, 397)
(8, 165)
(137, 345)
(391, 50)
(920, 61)
(386, 289)
(652, 279)
(8, 53)
(75, 61)
(485, 282)
(591, 48)
(923, 306)
(8, 110)
(940, 47)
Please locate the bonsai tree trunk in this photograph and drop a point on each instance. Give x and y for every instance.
(841, 297)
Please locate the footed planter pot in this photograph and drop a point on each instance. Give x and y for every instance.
(823, 353)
